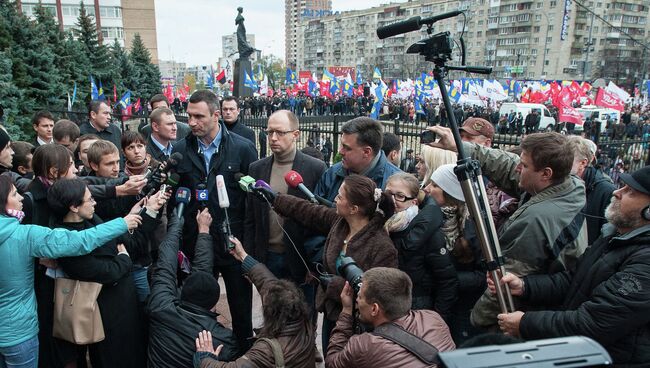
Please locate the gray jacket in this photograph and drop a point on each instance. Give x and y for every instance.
(546, 234)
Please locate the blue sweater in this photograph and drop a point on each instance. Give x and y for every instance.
(19, 245)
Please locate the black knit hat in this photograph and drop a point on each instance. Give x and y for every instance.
(201, 289)
(4, 139)
(638, 180)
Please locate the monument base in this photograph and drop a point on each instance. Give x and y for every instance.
(242, 66)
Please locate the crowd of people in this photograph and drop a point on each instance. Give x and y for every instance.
(381, 242)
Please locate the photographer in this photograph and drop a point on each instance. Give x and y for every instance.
(384, 302)
(286, 336)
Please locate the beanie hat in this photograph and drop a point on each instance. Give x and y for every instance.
(446, 179)
(201, 289)
(4, 139)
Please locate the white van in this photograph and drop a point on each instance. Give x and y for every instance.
(546, 122)
(600, 114)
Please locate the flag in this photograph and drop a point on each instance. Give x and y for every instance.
(260, 73)
(347, 88)
(334, 87)
(454, 94)
(137, 106)
(376, 74)
(169, 93)
(114, 92)
(94, 92)
(291, 77)
(69, 103)
(74, 95)
(264, 86)
(569, 115)
(126, 99)
(101, 92)
(249, 82)
(210, 79)
(221, 78)
(312, 87)
(380, 90)
(348, 78)
(618, 91)
(608, 99)
(327, 76)
(359, 78)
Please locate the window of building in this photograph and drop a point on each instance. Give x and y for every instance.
(479, 33)
(536, 29)
(549, 39)
(110, 12)
(538, 17)
(550, 27)
(539, 5)
(533, 52)
(552, 4)
(110, 33)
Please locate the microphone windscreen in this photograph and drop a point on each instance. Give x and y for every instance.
(183, 195)
(293, 179)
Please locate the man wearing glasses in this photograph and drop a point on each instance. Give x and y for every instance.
(230, 114)
(263, 236)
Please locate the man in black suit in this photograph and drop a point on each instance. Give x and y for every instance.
(230, 114)
(159, 101)
(99, 123)
(43, 122)
(263, 238)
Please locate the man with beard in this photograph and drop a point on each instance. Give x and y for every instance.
(607, 298)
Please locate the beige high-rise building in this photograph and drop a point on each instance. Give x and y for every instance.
(115, 19)
(296, 11)
(524, 39)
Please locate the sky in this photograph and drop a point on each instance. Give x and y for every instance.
(190, 30)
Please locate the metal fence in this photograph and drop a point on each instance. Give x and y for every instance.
(324, 131)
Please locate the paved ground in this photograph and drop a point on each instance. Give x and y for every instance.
(224, 314)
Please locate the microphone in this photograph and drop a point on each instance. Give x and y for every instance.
(182, 199)
(294, 180)
(405, 26)
(246, 183)
(224, 202)
(201, 193)
(412, 24)
(262, 184)
(171, 163)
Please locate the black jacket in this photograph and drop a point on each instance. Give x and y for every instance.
(235, 155)
(112, 133)
(240, 128)
(256, 235)
(173, 325)
(599, 188)
(422, 254)
(607, 298)
(117, 301)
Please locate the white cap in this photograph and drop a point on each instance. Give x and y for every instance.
(446, 179)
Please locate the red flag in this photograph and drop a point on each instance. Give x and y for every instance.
(569, 115)
(325, 88)
(564, 98)
(610, 100)
(525, 98)
(221, 78)
(576, 90)
(186, 88)
(537, 97)
(137, 106)
(555, 92)
(586, 87)
(114, 92)
(169, 93)
(182, 95)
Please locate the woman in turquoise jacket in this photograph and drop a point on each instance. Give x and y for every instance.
(20, 245)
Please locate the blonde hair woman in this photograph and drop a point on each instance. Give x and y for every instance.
(431, 159)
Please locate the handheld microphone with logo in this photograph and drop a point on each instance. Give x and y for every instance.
(202, 195)
(224, 202)
(246, 183)
(182, 199)
(294, 180)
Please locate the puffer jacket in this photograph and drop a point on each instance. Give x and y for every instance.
(607, 298)
(296, 340)
(19, 245)
(368, 350)
(422, 254)
(599, 188)
(546, 234)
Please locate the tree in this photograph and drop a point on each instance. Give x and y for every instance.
(98, 54)
(124, 68)
(78, 69)
(274, 70)
(10, 96)
(146, 76)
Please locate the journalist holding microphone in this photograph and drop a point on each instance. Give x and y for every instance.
(354, 229)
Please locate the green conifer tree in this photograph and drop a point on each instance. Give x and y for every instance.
(146, 76)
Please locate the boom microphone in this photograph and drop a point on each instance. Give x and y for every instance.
(182, 198)
(412, 24)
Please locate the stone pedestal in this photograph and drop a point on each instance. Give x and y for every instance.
(242, 66)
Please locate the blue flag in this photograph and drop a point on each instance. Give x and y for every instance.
(334, 86)
(376, 74)
(74, 95)
(359, 78)
(379, 99)
(249, 82)
(347, 88)
(291, 77)
(312, 87)
(454, 94)
(126, 99)
(101, 92)
(94, 92)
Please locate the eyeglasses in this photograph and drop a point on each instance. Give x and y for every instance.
(399, 197)
(280, 133)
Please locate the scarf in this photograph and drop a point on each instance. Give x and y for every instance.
(453, 225)
(131, 169)
(401, 220)
(17, 214)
